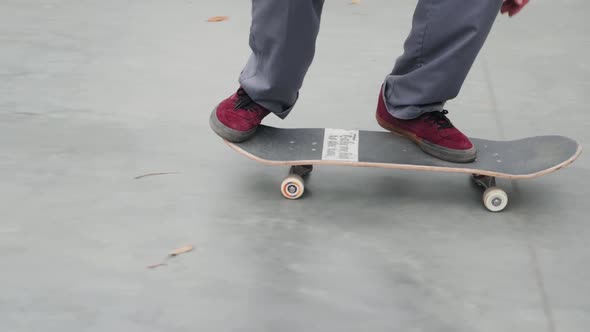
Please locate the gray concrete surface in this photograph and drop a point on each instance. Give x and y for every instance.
(95, 93)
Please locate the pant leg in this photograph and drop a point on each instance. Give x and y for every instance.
(282, 39)
(445, 39)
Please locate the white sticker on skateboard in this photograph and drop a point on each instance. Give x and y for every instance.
(341, 145)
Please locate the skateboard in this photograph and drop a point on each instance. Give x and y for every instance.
(302, 148)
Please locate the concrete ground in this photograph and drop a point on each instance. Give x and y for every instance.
(96, 93)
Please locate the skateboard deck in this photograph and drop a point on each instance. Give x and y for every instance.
(302, 147)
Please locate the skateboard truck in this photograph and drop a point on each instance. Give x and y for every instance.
(494, 198)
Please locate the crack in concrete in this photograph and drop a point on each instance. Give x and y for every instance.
(515, 188)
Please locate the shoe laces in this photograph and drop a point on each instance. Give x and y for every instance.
(245, 102)
(439, 118)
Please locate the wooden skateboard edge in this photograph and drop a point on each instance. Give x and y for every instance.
(408, 167)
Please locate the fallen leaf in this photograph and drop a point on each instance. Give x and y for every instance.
(218, 18)
(355, 2)
(181, 250)
(173, 253)
(153, 174)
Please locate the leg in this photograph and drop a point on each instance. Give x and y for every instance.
(445, 39)
(282, 39)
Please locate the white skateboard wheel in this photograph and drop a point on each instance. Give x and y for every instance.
(292, 187)
(495, 199)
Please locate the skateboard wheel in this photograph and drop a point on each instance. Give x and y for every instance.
(495, 199)
(292, 187)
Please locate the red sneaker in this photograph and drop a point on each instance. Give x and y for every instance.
(237, 117)
(433, 132)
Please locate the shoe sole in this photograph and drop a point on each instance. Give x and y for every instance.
(452, 155)
(223, 131)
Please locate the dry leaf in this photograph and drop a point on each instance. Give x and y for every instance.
(181, 250)
(218, 18)
(355, 2)
(174, 253)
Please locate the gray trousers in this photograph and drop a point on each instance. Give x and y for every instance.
(445, 38)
